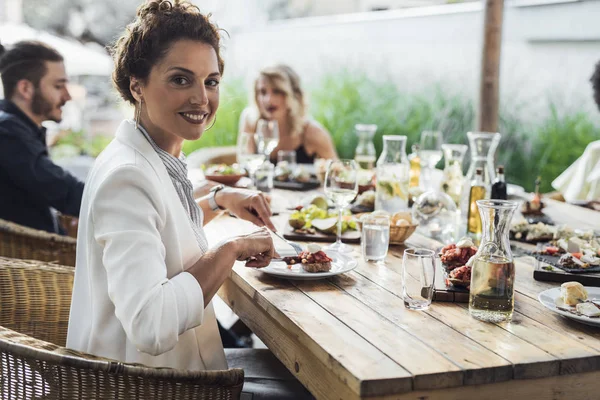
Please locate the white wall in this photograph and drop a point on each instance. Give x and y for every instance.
(549, 48)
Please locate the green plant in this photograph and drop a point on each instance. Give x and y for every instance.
(530, 146)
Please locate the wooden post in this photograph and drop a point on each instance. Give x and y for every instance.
(490, 66)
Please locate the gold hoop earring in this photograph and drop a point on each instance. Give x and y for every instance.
(213, 124)
(138, 112)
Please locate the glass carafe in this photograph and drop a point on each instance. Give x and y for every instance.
(483, 147)
(392, 175)
(492, 287)
(365, 155)
(454, 181)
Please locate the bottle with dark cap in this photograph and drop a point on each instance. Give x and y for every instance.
(499, 186)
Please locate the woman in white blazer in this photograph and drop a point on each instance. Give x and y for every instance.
(144, 276)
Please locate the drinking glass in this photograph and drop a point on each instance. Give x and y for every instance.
(430, 151)
(375, 237)
(418, 277)
(266, 136)
(248, 155)
(341, 187)
(264, 177)
(287, 157)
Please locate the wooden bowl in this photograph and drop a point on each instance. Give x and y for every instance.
(228, 180)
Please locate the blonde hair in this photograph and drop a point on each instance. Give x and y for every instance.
(287, 80)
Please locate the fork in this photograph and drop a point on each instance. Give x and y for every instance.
(297, 248)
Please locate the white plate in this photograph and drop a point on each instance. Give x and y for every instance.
(341, 263)
(548, 298)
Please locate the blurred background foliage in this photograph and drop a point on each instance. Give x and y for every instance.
(531, 146)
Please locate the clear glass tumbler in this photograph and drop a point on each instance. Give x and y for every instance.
(418, 277)
(375, 237)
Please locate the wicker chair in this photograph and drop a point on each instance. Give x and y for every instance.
(34, 311)
(17, 241)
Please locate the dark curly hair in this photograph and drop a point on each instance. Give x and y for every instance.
(147, 39)
(25, 60)
(595, 79)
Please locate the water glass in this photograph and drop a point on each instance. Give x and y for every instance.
(289, 156)
(418, 277)
(264, 177)
(375, 237)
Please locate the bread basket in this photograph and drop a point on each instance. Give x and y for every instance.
(398, 233)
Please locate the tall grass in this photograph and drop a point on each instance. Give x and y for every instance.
(545, 146)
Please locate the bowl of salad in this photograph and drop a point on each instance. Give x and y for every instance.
(223, 173)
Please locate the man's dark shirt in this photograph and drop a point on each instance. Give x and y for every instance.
(30, 183)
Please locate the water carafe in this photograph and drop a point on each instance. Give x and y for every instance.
(453, 182)
(483, 147)
(492, 289)
(365, 155)
(392, 175)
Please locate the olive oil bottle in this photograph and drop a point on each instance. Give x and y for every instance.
(477, 192)
(415, 166)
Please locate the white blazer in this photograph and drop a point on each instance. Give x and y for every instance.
(132, 299)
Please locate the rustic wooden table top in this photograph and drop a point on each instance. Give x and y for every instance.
(350, 336)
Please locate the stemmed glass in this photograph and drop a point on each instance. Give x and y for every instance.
(341, 187)
(266, 136)
(431, 153)
(248, 154)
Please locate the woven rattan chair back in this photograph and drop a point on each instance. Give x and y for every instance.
(35, 298)
(34, 311)
(17, 241)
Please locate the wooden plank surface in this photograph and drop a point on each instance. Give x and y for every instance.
(350, 336)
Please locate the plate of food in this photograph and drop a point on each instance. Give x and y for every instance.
(573, 254)
(223, 173)
(315, 222)
(575, 301)
(313, 263)
(298, 178)
(455, 259)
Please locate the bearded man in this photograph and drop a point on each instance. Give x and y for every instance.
(31, 185)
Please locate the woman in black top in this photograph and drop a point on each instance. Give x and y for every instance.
(278, 96)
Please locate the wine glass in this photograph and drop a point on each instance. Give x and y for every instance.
(248, 154)
(341, 187)
(266, 136)
(431, 153)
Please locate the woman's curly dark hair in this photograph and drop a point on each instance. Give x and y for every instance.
(595, 79)
(147, 39)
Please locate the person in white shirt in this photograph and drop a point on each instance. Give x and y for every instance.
(144, 275)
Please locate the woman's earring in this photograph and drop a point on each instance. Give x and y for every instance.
(138, 111)
(213, 124)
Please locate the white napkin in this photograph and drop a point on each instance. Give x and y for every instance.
(581, 181)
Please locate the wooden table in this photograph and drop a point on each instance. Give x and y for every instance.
(351, 337)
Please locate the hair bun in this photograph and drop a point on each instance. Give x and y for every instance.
(155, 7)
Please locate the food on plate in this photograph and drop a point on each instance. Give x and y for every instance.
(573, 293)
(460, 276)
(458, 254)
(222, 169)
(312, 260)
(366, 199)
(589, 309)
(283, 171)
(301, 175)
(532, 207)
(524, 231)
(308, 219)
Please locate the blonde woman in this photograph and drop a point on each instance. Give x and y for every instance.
(278, 96)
